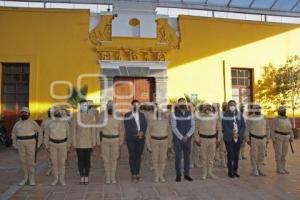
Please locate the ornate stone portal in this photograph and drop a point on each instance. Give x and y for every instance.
(132, 56)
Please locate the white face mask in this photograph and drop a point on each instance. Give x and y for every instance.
(232, 108)
(83, 107)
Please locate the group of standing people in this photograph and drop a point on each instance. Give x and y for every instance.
(182, 129)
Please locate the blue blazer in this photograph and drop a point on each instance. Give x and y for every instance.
(131, 129)
(227, 123)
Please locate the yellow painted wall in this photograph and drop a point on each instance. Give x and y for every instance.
(197, 67)
(55, 43)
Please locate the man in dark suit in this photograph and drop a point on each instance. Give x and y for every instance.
(135, 128)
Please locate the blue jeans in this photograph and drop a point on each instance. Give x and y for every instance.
(233, 152)
(186, 149)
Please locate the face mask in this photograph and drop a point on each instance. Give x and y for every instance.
(182, 107)
(109, 111)
(135, 108)
(257, 113)
(83, 108)
(24, 117)
(57, 115)
(282, 113)
(232, 108)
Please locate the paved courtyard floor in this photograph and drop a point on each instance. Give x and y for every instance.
(272, 187)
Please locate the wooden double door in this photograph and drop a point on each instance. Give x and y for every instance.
(128, 88)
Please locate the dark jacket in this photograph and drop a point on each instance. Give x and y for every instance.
(130, 125)
(227, 123)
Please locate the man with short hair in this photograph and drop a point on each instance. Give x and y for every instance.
(183, 126)
(135, 125)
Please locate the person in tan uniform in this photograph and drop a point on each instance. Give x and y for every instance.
(44, 124)
(208, 136)
(57, 142)
(148, 111)
(110, 136)
(220, 157)
(281, 134)
(24, 135)
(158, 141)
(243, 145)
(257, 136)
(84, 140)
(196, 150)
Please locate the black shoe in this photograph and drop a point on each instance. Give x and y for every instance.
(236, 175)
(188, 178)
(178, 178)
(230, 175)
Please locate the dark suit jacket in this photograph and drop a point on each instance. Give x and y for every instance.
(131, 130)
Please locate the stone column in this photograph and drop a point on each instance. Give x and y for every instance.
(106, 86)
(161, 91)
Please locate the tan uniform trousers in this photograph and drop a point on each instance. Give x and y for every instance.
(257, 151)
(110, 148)
(221, 154)
(26, 150)
(58, 156)
(195, 155)
(281, 151)
(208, 151)
(159, 156)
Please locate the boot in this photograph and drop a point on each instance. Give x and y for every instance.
(62, 177)
(284, 170)
(278, 168)
(260, 170)
(113, 173)
(156, 179)
(162, 179)
(211, 174)
(204, 175)
(107, 173)
(25, 179)
(31, 180)
(55, 180)
(255, 171)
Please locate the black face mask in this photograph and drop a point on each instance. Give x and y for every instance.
(24, 117)
(110, 111)
(134, 108)
(57, 115)
(282, 113)
(182, 107)
(257, 113)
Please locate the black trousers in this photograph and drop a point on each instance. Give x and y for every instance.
(135, 150)
(233, 152)
(84, 161)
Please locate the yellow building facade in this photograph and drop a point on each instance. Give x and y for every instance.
(58, 45)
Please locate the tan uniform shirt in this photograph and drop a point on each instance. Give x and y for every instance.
(159, 128)
(57, 129)
(44, 125)
(207, 124)
(110, 125)
(282, 124)
(256, 125)
(83, 130)
(26, 128)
